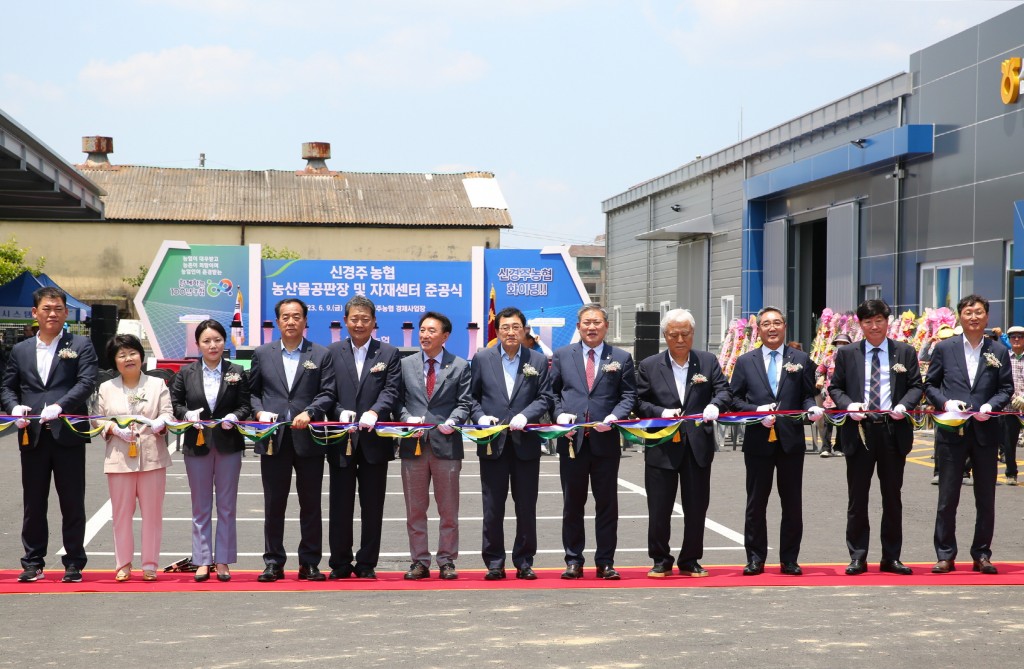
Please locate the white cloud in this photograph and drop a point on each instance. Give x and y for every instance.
(414, 57)
(20, 93)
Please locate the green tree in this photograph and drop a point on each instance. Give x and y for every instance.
(283, 253)
(137, 280)
(12, 261)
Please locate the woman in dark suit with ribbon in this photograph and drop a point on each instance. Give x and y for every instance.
(212, 388)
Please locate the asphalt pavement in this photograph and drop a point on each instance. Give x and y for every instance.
(629, 627)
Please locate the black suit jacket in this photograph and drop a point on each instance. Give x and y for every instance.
(750, 390)
(905, 388)
(71, 382)
(375, 391)
(947, 379)
(187, 393)
(312, 391)
(531, 396)
(614, 392)
(656, 391)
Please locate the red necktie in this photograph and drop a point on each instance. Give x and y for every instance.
(431, 378)
(590, 369)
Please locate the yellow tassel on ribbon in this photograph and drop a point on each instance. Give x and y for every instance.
(572, 453)
(270, 446)
(24, 437)
(489, 449)
(348, 449)
(201, 440)
(771, 435)
(133, 449)
(418, 451)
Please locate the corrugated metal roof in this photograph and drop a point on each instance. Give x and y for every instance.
(289, 198)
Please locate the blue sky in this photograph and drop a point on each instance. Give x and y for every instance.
(568, 102)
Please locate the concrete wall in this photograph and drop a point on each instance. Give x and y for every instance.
(89, 260)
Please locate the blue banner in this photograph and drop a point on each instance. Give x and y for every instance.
(401, 290)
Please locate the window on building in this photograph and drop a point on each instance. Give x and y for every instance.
(617, 324)
(584, 264)
(728, 313)
(943, 284)
(873, 291)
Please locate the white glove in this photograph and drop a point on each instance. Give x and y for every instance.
(898, 412)
(157, 424)
(487, 420)
(710, 413)
(955, 406)
(855, 410)
(414, 419)
(228, 422)
(266, 417)
(605, 425)
(49, 413)
(122, 433)
(671, 413)
(346, 416)
(767, 421)
(983, 413)
(21, 410)
(518, 422)
(566, 418)
(446, 427)
(368, 420)
(816, 414)
(192, 415)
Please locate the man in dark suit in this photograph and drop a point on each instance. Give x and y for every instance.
(368, 375)
(680, 382)
(876, 375)
(774, 377)
(291, 379)
(968, 372)
(48, 375)
(591, 381)
(510, 385)
(435, 391)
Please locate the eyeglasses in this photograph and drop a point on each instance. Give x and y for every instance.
(510, 328)
(1016, 336)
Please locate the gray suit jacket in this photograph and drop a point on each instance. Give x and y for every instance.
(451, 399)
(70, 384)
(312, 391)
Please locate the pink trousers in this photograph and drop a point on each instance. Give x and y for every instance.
(148, 488)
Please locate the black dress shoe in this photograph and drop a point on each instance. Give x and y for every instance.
(202, 576)
(417, 570)
(944, 567)
(448, 572)
(340, 572)
(607, 572)
(660, 570)
(270, 574)
(895, 567)
(985, 566)
(73, 574)
(526, 573)
(856, 567)
(693, 569)
(495, 574)
(753, 568)
(310, 572)
(573, 571)
(791, 569)
(365, 572)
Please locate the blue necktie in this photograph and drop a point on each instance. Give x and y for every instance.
(773, 373)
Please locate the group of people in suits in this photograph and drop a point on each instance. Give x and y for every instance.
(591, 384)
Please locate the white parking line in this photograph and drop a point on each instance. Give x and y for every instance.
(708, 523)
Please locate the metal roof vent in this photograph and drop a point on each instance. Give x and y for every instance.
(316, 155)
(97, 147)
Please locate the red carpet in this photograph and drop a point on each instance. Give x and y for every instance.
(829, 575)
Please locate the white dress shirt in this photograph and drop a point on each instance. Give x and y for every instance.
(766, 352)
(211, 384)
(679, 372)
(884, 391)
(359, 355)
(44, 356)
(973, 356)
(510, 366)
